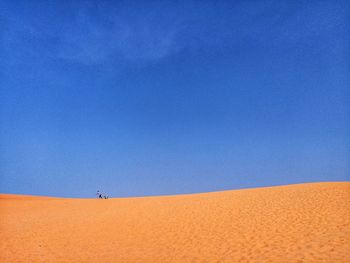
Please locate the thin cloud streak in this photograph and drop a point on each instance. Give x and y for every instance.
(94, 33)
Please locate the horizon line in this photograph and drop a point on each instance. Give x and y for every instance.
(171, 195)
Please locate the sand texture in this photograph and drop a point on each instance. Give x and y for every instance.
(295, 223)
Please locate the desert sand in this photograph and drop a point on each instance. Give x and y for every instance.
(293, 223)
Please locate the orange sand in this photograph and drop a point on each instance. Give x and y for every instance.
(295, 223)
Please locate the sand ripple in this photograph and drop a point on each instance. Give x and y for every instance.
(296, 223)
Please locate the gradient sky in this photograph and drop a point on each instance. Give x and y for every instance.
(158, 97)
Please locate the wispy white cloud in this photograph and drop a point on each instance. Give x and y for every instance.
(89, 40)
(93, 32)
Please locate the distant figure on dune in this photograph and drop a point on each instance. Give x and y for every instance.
(100, 196)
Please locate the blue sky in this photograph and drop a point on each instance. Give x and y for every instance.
(167, 97)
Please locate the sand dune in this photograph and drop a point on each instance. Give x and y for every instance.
(295, 223)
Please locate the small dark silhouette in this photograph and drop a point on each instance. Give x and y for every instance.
(101, 196)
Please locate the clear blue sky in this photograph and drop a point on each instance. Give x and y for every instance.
(158, 97)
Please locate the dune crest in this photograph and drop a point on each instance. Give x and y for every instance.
(295, 223)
